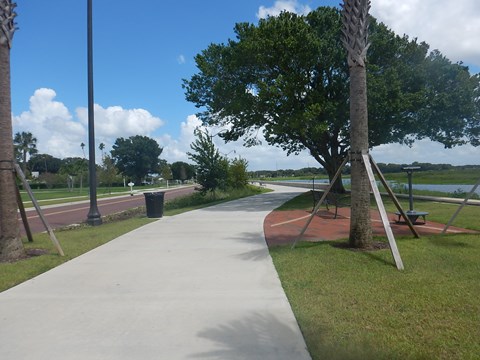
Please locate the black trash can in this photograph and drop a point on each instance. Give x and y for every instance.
(154, 203)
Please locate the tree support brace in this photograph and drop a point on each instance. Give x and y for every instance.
(55, 242)
(369, 163)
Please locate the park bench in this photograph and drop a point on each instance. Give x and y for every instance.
(332, 199)
(413, 216)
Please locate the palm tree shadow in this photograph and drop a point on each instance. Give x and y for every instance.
(254, 255)
(258, 336)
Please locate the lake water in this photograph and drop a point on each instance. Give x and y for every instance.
(450, 188)
(445, 188)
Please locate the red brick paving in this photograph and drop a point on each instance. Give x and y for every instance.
(283, 227)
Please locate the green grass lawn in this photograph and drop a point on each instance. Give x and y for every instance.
(357, 305)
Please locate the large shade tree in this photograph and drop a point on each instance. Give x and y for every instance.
(288, 78)
(136, 157)
(11, 246)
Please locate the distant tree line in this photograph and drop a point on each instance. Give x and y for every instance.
(136, 159)
(385, 168)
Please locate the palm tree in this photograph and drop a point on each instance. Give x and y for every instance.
(25, 143)
(11, 246)
(355, 40)
(82, 145)
(102, 147)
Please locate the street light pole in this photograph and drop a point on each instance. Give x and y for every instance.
(93, 217)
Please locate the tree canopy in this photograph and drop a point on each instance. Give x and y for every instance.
(24, 144)
(136, 157)
(288, 78)
(44, 163)
(182, 170)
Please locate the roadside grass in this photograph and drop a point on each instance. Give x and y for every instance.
(79, 240)
(74, 242)
(356, 305)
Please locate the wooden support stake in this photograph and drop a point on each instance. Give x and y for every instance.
(469, 195)
(39, 210)
(315, 210)
(383, 213)
(23, 214)
(394, 198)
(367, 160)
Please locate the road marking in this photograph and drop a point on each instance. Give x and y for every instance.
(290, 221)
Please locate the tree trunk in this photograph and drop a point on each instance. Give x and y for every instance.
(330, 161)
(360, 223)
(11, 246)
(24, 165)
(332, 167)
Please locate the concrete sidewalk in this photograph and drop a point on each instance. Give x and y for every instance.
(199, 285)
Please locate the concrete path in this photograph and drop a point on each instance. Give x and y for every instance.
(200, 285)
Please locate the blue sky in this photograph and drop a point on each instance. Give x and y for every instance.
(142, 51)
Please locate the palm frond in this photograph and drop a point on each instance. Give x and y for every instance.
(7, 24)
(355, 21)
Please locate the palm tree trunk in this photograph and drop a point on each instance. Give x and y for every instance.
(11, 246)
(355, 40)
(360, 223)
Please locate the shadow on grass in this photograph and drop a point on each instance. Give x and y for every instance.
(266, 336)
(343, 245)
(371, 252)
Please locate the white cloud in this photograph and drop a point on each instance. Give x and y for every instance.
(283, 5)
(265, 157)
(52, 124)
(176, 149)
(114, 122)
(59, 134)
(181, 59)
(453, 27)
(258, 157)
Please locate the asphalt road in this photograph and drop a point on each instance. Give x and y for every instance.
(59, 216)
